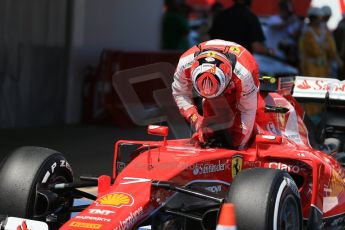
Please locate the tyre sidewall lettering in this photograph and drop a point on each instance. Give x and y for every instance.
(57, 167)
(51, 170)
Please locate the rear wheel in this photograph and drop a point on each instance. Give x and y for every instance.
(25, 175)
(266, 199)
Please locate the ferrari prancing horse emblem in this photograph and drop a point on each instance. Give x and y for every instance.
(235, 50)
(236, 165)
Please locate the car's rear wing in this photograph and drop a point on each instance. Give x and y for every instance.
(317, 88)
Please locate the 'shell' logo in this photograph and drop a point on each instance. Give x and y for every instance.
(304, 85)
(116, 200)
(23, 226)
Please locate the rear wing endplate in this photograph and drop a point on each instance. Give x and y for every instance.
(317, 88)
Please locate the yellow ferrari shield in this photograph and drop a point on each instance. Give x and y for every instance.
(235, 49)
(211, 54)
(236, 165)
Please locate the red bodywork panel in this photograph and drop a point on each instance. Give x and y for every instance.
(132, 199)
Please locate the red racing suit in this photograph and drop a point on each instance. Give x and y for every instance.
(234, 111)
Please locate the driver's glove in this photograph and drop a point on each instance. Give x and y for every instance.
(196, 121)
(202, 135)
(201, 131)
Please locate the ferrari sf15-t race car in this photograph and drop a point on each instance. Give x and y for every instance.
(281, 181)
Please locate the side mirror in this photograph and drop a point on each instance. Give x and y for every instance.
(158, 130)
(268, 139)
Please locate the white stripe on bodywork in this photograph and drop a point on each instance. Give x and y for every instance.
(134, 180)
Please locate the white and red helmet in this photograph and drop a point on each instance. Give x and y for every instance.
(211, 73)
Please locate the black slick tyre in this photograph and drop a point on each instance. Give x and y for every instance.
(266, 199)
(22, 173)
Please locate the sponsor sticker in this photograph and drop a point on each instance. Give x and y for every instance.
(236, 165)
(102, 212)
(132, 218)
(214, 189)
(117, 200)
(93, 218)
(312, 87)
(201, 169)
(285, 167)
(85, 225)
(23, 226)
(193, 118)
(252, 164)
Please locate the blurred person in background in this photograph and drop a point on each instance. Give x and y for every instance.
(327, 13)
(315, 50)
(315, 46)
(240, 25)
(216, 8)
(335, 61)
(283, 31)
(175, 28)
(339, 35)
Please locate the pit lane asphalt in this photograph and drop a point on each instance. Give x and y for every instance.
(88, 148)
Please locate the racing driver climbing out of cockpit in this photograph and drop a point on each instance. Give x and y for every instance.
(225, 75)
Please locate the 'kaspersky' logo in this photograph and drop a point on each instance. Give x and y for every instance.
(116, 200)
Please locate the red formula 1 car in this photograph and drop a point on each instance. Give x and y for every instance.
(279, 182)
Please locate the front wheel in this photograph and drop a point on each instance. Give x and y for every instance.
(266, 199)
(25, 175)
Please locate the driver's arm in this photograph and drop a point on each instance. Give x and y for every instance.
(247, 97)
(182, 88)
